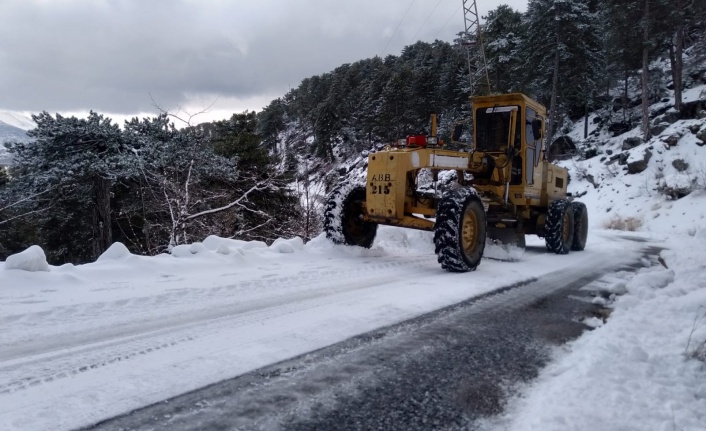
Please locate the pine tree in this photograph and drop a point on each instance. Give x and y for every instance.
(71, 167)
(563, 48)
(270, 122)
(503, 33)
(623, 41)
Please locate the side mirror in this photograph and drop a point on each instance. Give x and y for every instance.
(537, 129)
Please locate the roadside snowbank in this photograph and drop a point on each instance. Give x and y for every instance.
(636, 372)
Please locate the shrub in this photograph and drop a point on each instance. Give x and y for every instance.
(616, 222)
(696, 350)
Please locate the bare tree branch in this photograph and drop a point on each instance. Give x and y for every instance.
(190, 117)
(241, 232)
(238, 202)
(27, 199)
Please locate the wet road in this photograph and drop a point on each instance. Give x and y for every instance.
(442, 370)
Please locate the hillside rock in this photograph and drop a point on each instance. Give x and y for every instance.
(632, 142)
(618, 128)
(692, 109)
(562, 148)
(671, 140)
(657, 129)
(640, 165)
(671, 116)
(680, 165)
(701, 134)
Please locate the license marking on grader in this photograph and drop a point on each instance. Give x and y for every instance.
(380, 189)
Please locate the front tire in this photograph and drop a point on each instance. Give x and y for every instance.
(459, 231)
(559, 227)
(580, 226)
(343, 217)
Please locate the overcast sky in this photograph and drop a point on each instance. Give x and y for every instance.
(70, 56)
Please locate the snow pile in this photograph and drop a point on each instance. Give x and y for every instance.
(287, 245)
(33, 259)
(115, 252)
(187, 250)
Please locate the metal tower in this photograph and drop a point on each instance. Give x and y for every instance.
(475, 50)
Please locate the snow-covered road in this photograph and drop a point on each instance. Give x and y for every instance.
(80, 344)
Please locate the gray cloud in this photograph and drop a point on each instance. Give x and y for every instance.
(110, 55)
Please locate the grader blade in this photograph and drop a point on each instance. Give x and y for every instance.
(504, 244)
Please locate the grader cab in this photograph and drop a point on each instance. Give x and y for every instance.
(494, 194)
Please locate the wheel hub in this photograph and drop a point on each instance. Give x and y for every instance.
(566, 227)
(469, 231)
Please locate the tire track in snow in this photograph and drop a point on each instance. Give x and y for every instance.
(70, 321)
(32, 365)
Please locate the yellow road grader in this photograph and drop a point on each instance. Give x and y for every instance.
(495, 193)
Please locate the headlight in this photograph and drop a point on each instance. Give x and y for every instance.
(432, 140)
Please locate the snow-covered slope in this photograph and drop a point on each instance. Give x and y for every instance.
(13, 127)
(654, 186)
(16, 120)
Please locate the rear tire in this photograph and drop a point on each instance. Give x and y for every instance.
(580, 226)
(343, 217)
(559, 227)
(459, 231)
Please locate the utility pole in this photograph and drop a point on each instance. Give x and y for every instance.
(475, 50)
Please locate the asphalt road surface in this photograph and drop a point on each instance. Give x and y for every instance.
(443, 370)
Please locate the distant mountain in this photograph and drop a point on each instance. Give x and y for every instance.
(8, 133)
(16, 120)
(13, 127)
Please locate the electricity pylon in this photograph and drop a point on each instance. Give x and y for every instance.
(475, 50)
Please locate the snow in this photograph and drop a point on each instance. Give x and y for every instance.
(116, 251)
(83, 343)
(635, 372)
(17, 120)
(645, 197)
(32, 259)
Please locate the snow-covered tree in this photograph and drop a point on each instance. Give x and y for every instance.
(563, 48)
(503, 33)
(66, 174)
(182, 178)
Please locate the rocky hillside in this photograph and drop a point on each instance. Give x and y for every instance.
(656, 185)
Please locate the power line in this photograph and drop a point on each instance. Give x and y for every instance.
(448, 21)
(424, 23)
(398, 27)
